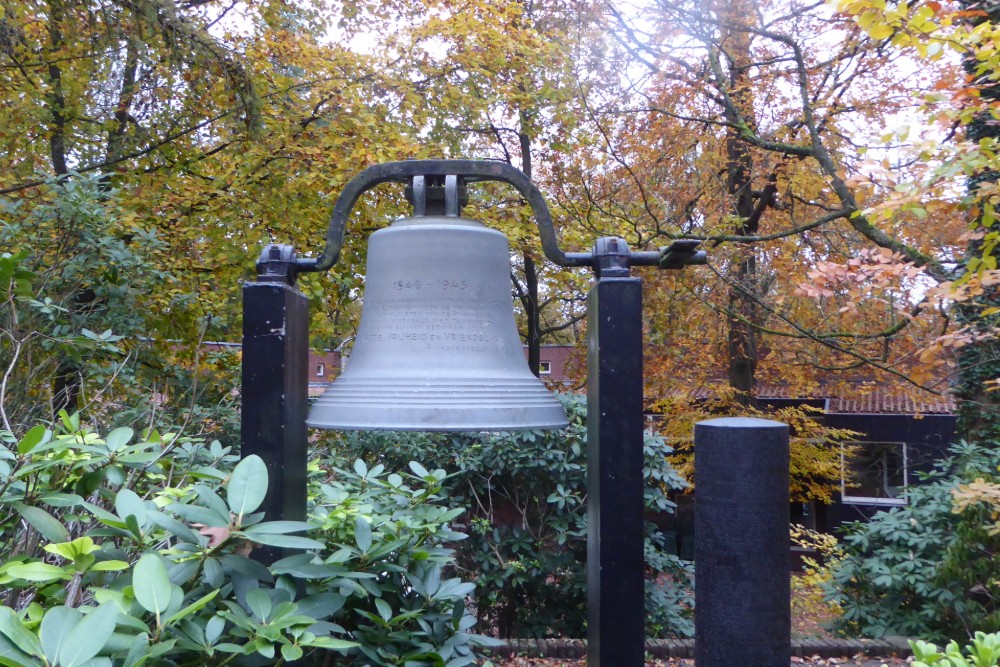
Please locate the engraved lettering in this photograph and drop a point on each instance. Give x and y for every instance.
(448, 321)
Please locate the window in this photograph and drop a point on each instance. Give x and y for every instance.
(875, 475)
(544, 367)
(320, 370)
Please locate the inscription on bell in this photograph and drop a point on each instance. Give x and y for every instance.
(442, 284)
(461, 325)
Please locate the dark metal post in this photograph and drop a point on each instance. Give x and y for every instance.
(275, 384)
(615, 566)
(741, 555)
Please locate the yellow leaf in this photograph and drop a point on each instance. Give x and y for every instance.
(881, 31)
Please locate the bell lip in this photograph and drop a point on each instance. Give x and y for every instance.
(443, 428)
(398, 404)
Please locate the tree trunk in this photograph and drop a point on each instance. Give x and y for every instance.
(530, 300)
(742, 349)
(531, 312)
(66, 386)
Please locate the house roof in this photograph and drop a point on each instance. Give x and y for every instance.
(886, 401)
(862, 397)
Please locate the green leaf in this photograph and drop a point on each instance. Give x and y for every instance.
(104, 516)
(11, 655)
(331, 643)
(128, 503)
(305, 569)
(89, 636)
(288, 541)
(214, 628)
(151, 584)
(246, 566)
(322, 605)
(55, 628)
(208, 498)
(191, 608)
(259, 603)
(132, 525)
(290, 652)
(281, 527)
(138, 653)
(227, 647)
(38, 571)
(33, 438)
(264, 647)
(47, 525)
(109, 566)
(61, 499)
(138, 457)
(213, 575)
(81, 546)
(198, 514)
(363, 534)
(419, 470)
(24, 639)
(119, 438)
(247, 486)
(171, 524)
(70, 422)
(384, 609)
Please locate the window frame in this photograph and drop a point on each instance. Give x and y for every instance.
(846, 495)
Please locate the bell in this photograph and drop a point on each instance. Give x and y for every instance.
(437, 348)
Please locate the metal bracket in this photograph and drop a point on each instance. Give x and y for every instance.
(416, 194)
(437, 196)
(612, 258)
(276, 264)
(680, 254)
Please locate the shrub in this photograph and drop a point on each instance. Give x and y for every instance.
(118, 554)
(526, 495)
(808, 598)
(983, 651)
(90, 321)
(924, 569)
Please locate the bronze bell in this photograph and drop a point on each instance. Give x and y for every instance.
(437, 348)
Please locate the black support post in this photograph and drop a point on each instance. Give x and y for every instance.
(615, 567)
(275, 385)
(741, 555)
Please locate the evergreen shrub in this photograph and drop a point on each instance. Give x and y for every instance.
(930, 569)
(526, 497)
(121, 551)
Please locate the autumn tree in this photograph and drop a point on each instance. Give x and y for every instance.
(218, 126)
(963, 104)
(90, 87)
(754, 127)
